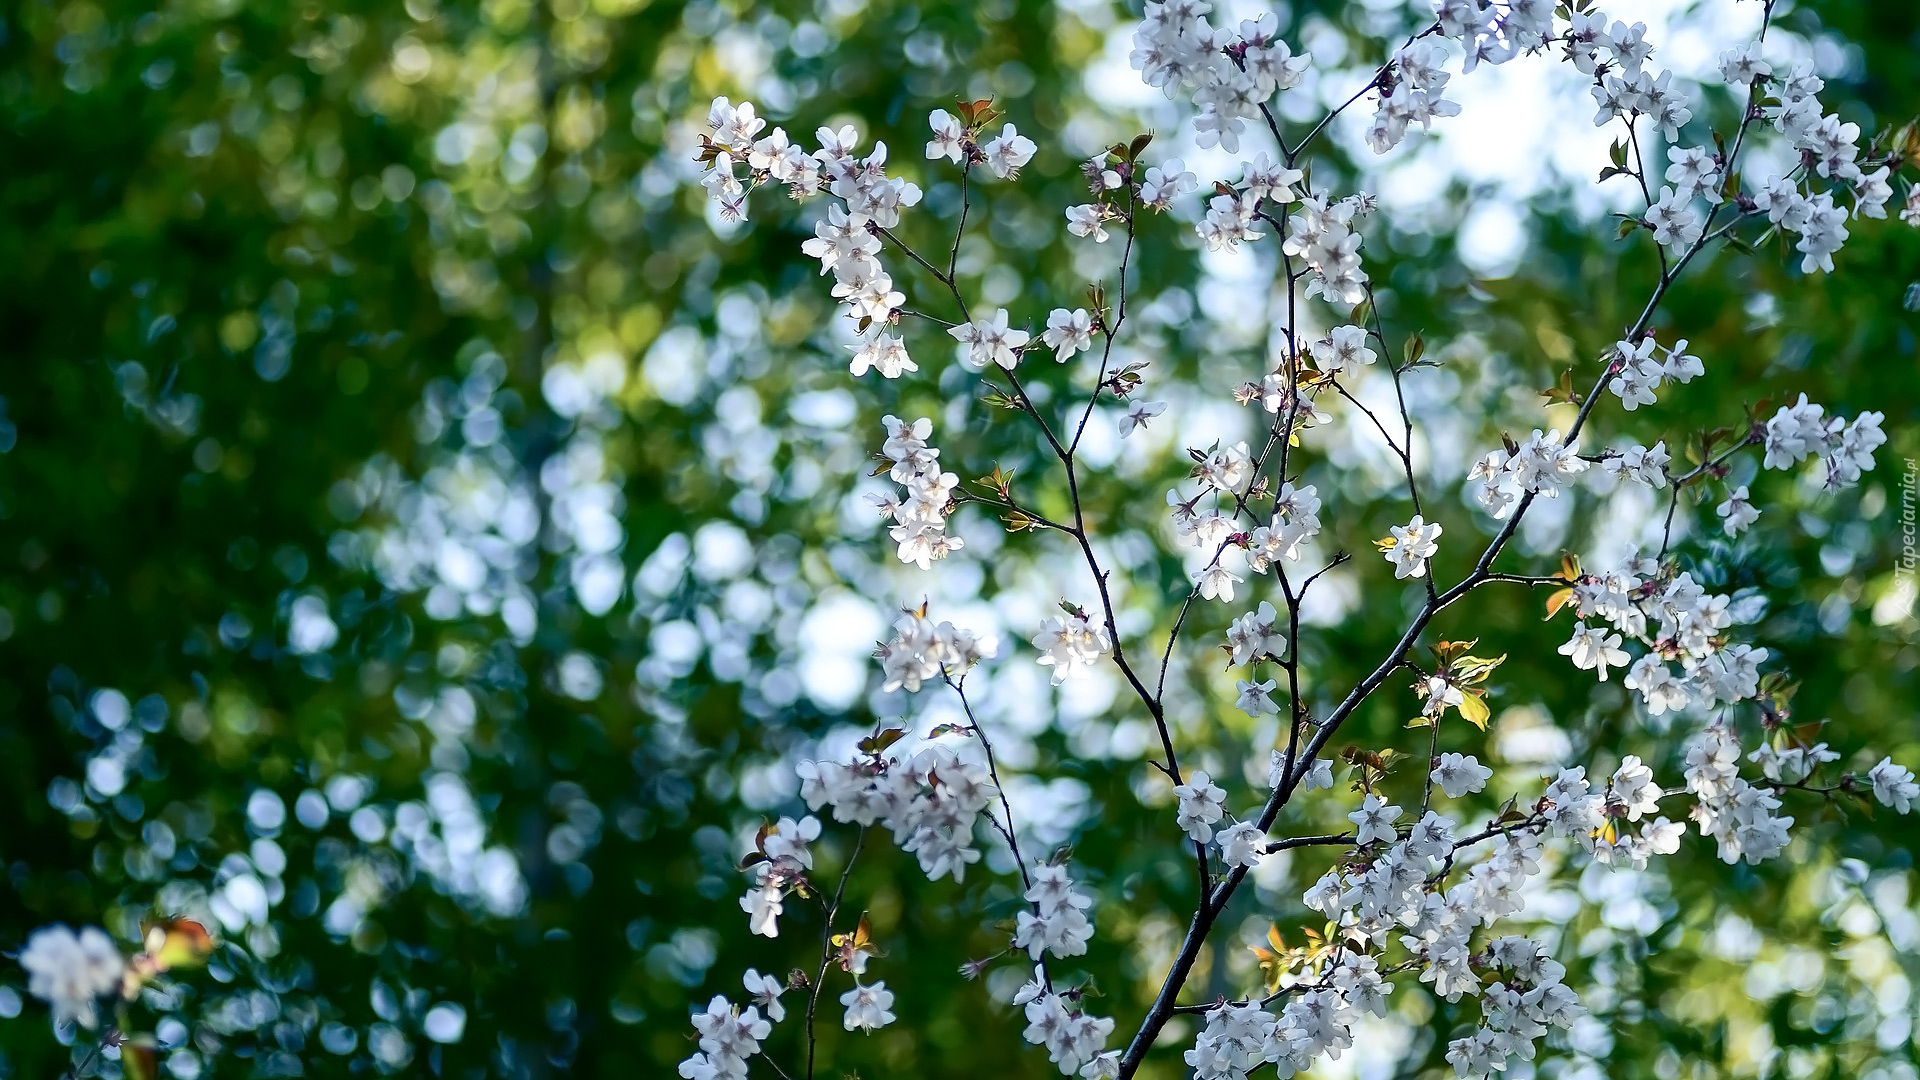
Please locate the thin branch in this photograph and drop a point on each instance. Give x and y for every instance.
(826, 945)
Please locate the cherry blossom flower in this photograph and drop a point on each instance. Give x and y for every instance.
(1737, 512)
(1068, 332)
(1413, 544)
(1343, 350)
(949, 137)
(1256, 698)
(1242, 844)
(1741, 64)
(1634, 786)
(1374, 820)
(990, 341)
(1460, 774)
(1201, 804)
(1008, 152)
(867, 1007)
(1216, 582)
(1893, 785)
(1137, 415)
(1165, 182)
(1088, 220)
(765, 991)
(1594, 648)
(72, 971)
(1069, 645)
(1256, 634)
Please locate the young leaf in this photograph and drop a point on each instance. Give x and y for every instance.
(874, 744)
(1473, 708)
(1558, 599)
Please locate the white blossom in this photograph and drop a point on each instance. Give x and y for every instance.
(1893, 785)
(1088, 220)
(867, 1007)
(1256, 698)
(1242, 844)
(1344, 349)
(949, 137)
(1737, 512)
(1008, 152)
(72, 971)
(1374, 820)
(990, 340)
(1138, 413)
(765, 991)
(1068, 332)
(1256, 634)
(1070, 645)
(1166, 181)
(1741, 64)
(1594, 648)
(1460, 774)
(1201, 804)
(1413, 544)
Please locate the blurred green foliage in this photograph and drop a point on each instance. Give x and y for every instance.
(262, 264)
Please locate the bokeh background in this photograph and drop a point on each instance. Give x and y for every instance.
(428, 536)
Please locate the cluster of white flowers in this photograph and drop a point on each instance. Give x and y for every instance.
(1075, 1040)
(1231, 214)
(728, 1036)
(1411, 546)
(1459, 774)
(1256, 635)
(783, 863)
(1409, 880)
(1201, 804)
(1539, 466)
(922, 650)
(1411, 88)
(1225, 469)
(1232, 76)
(1639, 372)
(1831, 147)
(72, 972)
(1846, 448)
(1666, 610)
(1240, 1038)
(1740, 816)
(1058, 922)
(1295, 521)
(1070, 644)
(990, 340)
(928, 801)
(1392, 885)
(1322, 234)
(1516, 1010)
(920, 518)
(1119, 186)
(1418, 84)
(846, 241)
(1638, 464)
